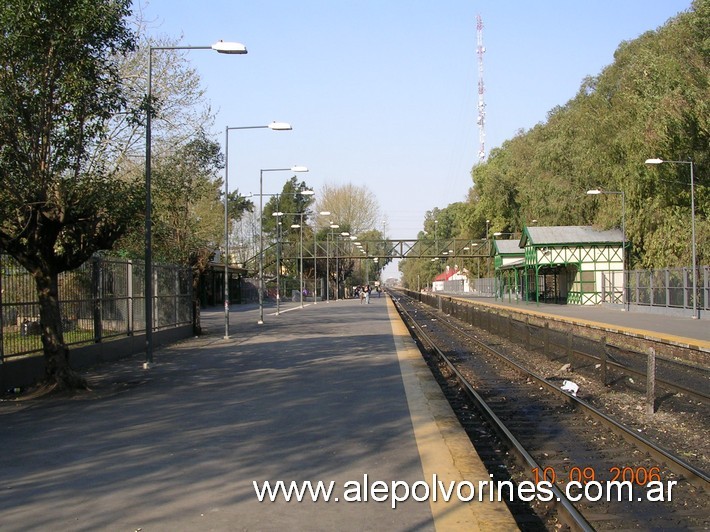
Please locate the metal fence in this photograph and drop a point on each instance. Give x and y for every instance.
(103, 299)
(669, 288)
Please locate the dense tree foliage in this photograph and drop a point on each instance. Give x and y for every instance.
(59, 87)
(653, 101)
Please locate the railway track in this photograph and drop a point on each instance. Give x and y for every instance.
(557, 438)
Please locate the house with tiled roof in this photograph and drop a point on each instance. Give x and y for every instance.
(451, 280)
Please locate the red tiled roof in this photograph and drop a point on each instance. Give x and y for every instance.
(446, 275)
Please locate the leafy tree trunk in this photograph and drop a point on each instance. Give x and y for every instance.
(56, 353)
(199, 260)
(63, 193)
(196, 321)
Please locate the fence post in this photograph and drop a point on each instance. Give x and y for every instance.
(651, 381)
(176, 296)
(129, 300)
(706, 288)
(602, 344)
(668, 287)
(96, 296)
(2, 325)
(156, 300)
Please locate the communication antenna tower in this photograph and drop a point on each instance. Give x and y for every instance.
(481, 120)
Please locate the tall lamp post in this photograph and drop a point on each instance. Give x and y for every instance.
(337, 266)
(261, 230)
(300, 227)
(274, 126)
(327, 262)
(278, 215)
(696, 314)
(315, 257)
(597, 191)
(222, 48)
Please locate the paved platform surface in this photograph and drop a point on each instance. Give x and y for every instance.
(329, 392)
(684, 330)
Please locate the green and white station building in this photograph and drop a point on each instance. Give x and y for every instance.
(577, 265)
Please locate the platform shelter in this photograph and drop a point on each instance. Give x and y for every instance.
(509, 262)
(560, 264)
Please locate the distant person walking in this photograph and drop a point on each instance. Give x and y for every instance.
(367, 294)
(361, 291)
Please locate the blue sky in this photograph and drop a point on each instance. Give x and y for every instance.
(384, 93)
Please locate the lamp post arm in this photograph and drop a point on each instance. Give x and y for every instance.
(694, 251)
(148, 223)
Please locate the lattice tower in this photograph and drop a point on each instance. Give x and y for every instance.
(481, 120)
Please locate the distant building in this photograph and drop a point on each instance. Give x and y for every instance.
(451, 280)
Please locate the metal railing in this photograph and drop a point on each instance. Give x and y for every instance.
(103, 299)
(666, 288)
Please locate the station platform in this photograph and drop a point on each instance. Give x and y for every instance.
(673, 329)
(334, 392)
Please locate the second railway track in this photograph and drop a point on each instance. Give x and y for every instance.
(560, 439)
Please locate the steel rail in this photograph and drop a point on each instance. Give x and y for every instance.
(692, 474)
(661, 382)
(569, 514)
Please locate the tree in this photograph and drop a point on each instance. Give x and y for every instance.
(59, 86)
(188, 224)
(653, 101)
(294, 206)
(353, 206)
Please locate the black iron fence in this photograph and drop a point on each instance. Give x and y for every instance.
(103, 299)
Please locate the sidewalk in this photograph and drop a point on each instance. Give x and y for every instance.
(313, 394)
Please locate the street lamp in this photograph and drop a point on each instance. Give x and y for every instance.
(315, 257)
(278, 215)
(345, 234)
(222, 48)
(274, 126)
(327, 262)
(261, 230)
(597, 191)
(696, 314)
(300, 226)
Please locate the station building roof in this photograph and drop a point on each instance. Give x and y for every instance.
(569, 234)
(507, 247)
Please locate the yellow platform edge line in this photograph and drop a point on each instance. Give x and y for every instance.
(443, 445)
